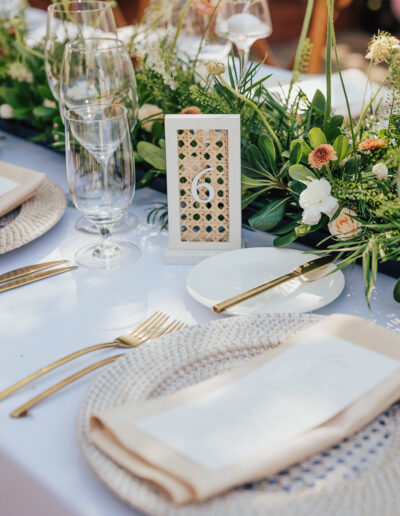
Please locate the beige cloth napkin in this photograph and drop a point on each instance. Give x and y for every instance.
(181, 480)
(26, 184)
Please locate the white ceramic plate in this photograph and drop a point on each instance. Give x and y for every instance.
(228, 274)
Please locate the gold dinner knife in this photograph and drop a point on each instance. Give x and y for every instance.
(31, 278)
(298, 271)
(23, 271)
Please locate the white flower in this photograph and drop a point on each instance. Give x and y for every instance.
(344, 226)
(150, 112)
(380, 170)
(20, 72)
(317, 199)
(6, 111)
(380, 47)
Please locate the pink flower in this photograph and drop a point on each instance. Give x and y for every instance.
(322, 155)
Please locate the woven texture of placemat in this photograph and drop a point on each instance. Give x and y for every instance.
(35, 217)
(358, 477)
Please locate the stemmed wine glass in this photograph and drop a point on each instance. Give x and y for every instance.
(101, 178)
(243, 23)
(98, 71)
(198, 38)
(69, 20)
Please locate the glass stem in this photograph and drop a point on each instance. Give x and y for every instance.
(107, 248)
(244, 60)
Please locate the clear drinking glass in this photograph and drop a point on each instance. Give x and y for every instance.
(101, 178)
(198, 37)
(69, 20)
(243, 23)
(98, 71)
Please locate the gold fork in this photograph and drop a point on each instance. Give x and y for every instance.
(23, 409)
(150, 328)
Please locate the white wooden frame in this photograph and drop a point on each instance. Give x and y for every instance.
(179, 251)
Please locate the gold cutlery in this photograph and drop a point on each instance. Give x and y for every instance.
(152, 327)
(23, 409)
(298, 271)
(30, 274)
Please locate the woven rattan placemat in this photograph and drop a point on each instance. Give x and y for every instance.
(358, 477)
(33, 218)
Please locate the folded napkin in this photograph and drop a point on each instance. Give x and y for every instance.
(17, 185)
(318, 387)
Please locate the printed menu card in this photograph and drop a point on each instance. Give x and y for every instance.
(313, 390)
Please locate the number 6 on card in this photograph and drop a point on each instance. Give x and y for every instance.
(203, 181)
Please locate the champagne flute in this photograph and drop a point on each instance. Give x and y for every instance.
(101, 178)
(99, 70)
(243, 23)
(69, 20)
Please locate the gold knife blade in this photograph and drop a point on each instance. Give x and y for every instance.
(17, 273)
(298, 271)
(31, 278)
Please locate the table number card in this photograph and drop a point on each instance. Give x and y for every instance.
(203, 179)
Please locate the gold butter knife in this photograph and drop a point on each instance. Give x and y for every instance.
(31, 278)
(298, 271)
(17, 273)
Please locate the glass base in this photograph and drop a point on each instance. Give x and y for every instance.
(120, 254)
(127, 223)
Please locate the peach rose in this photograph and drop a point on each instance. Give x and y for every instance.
(191, 110)
(345, 226)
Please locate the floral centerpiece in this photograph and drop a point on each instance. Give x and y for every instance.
(304, 170)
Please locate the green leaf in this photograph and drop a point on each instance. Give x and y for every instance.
(287, 228)
(341, 145)
(318, 102)
(317, 137)
(256, 160)
(396, 291)
(285, 239)
(332, 130)
(251, 182)
(296, 186)
(301, 173)
(45, 92)
(267, 148)
(152, 155)
(249, 197)
(351, 166)
(269, 216)
(295, 154)
(306, 149)
(44, 112)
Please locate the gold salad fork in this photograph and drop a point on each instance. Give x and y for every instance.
(23, 409)
(151, 328)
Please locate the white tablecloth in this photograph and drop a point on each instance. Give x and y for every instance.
(41, 469)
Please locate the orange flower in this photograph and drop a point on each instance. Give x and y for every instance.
(372, 144)
(191, 110)
(203, 6)
(322, 155)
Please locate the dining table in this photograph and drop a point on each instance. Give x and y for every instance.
(42, 471)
